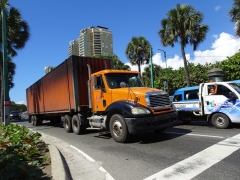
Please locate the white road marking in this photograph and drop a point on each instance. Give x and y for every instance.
(189, 134)
(196, 164)
(108, 176)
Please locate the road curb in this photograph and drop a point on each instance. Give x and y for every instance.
(57, 166)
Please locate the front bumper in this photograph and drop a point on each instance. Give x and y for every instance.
(151, 123)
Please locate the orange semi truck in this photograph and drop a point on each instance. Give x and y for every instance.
(87, 93)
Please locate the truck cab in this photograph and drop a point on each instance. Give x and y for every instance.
(120, 99)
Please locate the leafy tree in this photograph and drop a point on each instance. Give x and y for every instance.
(19, 107)
(234, 13)
(17, 31)
(138, 51)
(230, 67)
(118, 64)
(183, 25)
(146, 75)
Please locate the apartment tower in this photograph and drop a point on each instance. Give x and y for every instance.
(73, 48)
(94, 41)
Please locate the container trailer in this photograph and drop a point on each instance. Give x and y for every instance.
(87, 93)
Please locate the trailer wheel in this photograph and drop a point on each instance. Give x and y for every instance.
(76, 125)
(38, 120)
(220, 121)
(68, 123)
(118, 128)
(33, 120)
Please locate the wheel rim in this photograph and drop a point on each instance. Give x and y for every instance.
(75, 125)
(66, 123)
(117, 128)
(220, 121)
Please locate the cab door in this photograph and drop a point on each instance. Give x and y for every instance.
(215, 103)
(99, 94)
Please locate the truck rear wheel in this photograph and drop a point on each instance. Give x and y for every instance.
(33, 120)
(77, 126)
(220, 121)
(118, 128)
(68, 123)
(36, 120)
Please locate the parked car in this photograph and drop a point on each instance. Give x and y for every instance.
(15, 115)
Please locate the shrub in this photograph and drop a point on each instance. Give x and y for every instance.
(21, 153)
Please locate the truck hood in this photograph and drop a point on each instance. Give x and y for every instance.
(131, 93)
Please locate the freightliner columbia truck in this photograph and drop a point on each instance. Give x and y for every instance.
(88, 93)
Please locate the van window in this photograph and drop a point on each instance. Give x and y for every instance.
(177, 97)
(192, 94)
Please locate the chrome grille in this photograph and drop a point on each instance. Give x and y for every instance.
(159, 100)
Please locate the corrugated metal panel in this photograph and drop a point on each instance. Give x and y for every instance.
(35, 98)
(82, 74)
(65, 87)
(56, 89)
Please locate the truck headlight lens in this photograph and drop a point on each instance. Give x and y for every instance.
(138, 110)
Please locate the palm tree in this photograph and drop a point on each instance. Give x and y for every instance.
(183, 25)
(17, 31)
(234, 13)
(138, 51)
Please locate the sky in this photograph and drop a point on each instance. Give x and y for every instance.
(54, 23)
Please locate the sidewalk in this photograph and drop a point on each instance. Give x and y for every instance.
(69, 163)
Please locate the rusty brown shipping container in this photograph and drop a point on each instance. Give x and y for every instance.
(64, 89)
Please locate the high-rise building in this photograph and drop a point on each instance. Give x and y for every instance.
(94, 41)
(73, 48)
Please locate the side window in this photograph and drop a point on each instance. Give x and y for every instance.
(177, 97)
(99, 83)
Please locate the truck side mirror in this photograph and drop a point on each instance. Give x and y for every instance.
(232, 95)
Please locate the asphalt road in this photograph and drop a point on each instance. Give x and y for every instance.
(194, 151)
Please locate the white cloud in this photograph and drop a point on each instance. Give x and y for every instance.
(21, 102)
(215, 36)
(223, 46)
(217, 8)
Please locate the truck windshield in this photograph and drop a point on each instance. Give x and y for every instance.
(235, 86)
(123, 80)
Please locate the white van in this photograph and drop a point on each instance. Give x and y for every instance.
(222, 109)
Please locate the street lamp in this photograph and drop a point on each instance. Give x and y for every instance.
(166, 68)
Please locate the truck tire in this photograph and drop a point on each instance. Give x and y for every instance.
(76, 125)
(68, 123)
(220, 121)
(118, 128)
(33, 120)
(36, 120)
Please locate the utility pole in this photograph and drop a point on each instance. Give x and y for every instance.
(151, 68)
(166, 69)
(6, 101)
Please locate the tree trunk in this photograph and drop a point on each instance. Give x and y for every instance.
(185, 64)
(139, 68)
(1, 85)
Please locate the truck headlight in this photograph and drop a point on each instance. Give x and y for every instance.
(138, 110)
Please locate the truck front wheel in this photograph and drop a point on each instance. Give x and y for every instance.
(220, 121)
(68, 123)
(76, 125)
(118, 128)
